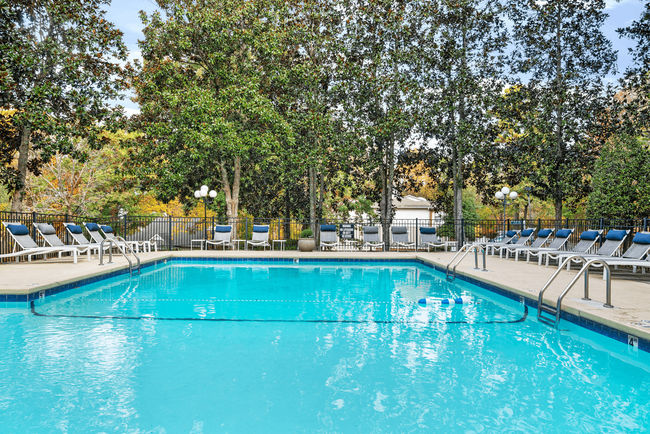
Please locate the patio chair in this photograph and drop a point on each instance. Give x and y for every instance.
(400, 238)
(633, 256)
(524, 237)
(587, 241)
(48, 232)
(134, 245)
(510, 236)
(222, 237)
(20, 234)
(613, 242)
(543, 237)
(371, 237)
(328, 237)
(260, 237)
(558, 244)
(76, 232)
(429, 239)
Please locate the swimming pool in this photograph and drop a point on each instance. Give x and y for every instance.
(316, 347)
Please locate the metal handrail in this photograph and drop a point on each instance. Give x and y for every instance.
(584, 270)
(466, 249)
(114, 241)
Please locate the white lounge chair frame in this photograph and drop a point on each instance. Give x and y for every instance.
(222, 239)
(33, 249)
(371, 239)
(400, 237)
(54, 241)
(328, 239)
(260, 239)
(432, 241)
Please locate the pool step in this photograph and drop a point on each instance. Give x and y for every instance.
(552, 321)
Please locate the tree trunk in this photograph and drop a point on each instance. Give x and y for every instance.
(312, 198)
(558, 194)
(232, 196)
(23, 158)
(457, 166)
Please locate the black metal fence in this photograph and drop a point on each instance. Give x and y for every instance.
(178, 232)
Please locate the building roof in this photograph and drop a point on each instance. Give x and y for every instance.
(409, 202)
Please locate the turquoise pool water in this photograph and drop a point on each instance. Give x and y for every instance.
(318, 347)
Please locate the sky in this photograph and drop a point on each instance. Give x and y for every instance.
(125, 14)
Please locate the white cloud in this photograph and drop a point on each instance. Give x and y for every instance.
(131, 111)
(611, 4)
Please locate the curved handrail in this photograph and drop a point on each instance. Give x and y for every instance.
(114, 242)
(466, 249)
(584, 270)
(130, 249)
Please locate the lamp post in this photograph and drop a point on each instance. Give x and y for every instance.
(503, 195)
(202, 195)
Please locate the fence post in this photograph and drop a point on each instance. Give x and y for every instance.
(601, 223)
(67, 240)
(462, 235)
(33, 229)
(645, 224)
(169, 245)
(539, 224)
(125, 225)
(246, 237)
(508, 226)
(417, 229)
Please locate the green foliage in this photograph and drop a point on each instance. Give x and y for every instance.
(559, 118)
(470, 215)
(58, 71)
(204, 96)
(461, 52)
(621, 181)
(636, 81)
(307, 233)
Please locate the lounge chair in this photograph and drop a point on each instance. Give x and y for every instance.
(328, 237)
(48, 232)
(543, 237)
(524, 237)
(76, 232)
(587, 241)
(613, 242)
(371, 238)
(21, 237)
(558, 243)
(134, 245)
(400, 236)
(429, 239)
(222, 237)
(260, 237)
(633, 256)
(510, 236)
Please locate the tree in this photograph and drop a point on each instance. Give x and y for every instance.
(621, 181)
(461, 69)
(562, 110)
(58, 70)
(204, 95)
(637, 77)
(378, 81)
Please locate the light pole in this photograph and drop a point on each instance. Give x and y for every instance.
(503, 195)
(202, 195)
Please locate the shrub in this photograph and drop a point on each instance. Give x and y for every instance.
(306, 233)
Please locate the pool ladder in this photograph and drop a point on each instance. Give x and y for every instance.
(553, 318)
(114, 242)
(465, 251)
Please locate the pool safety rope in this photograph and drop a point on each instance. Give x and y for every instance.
(343, 321)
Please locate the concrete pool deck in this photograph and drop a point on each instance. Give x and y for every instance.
(631, 298)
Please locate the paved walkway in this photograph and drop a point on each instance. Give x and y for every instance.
(631, 298)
